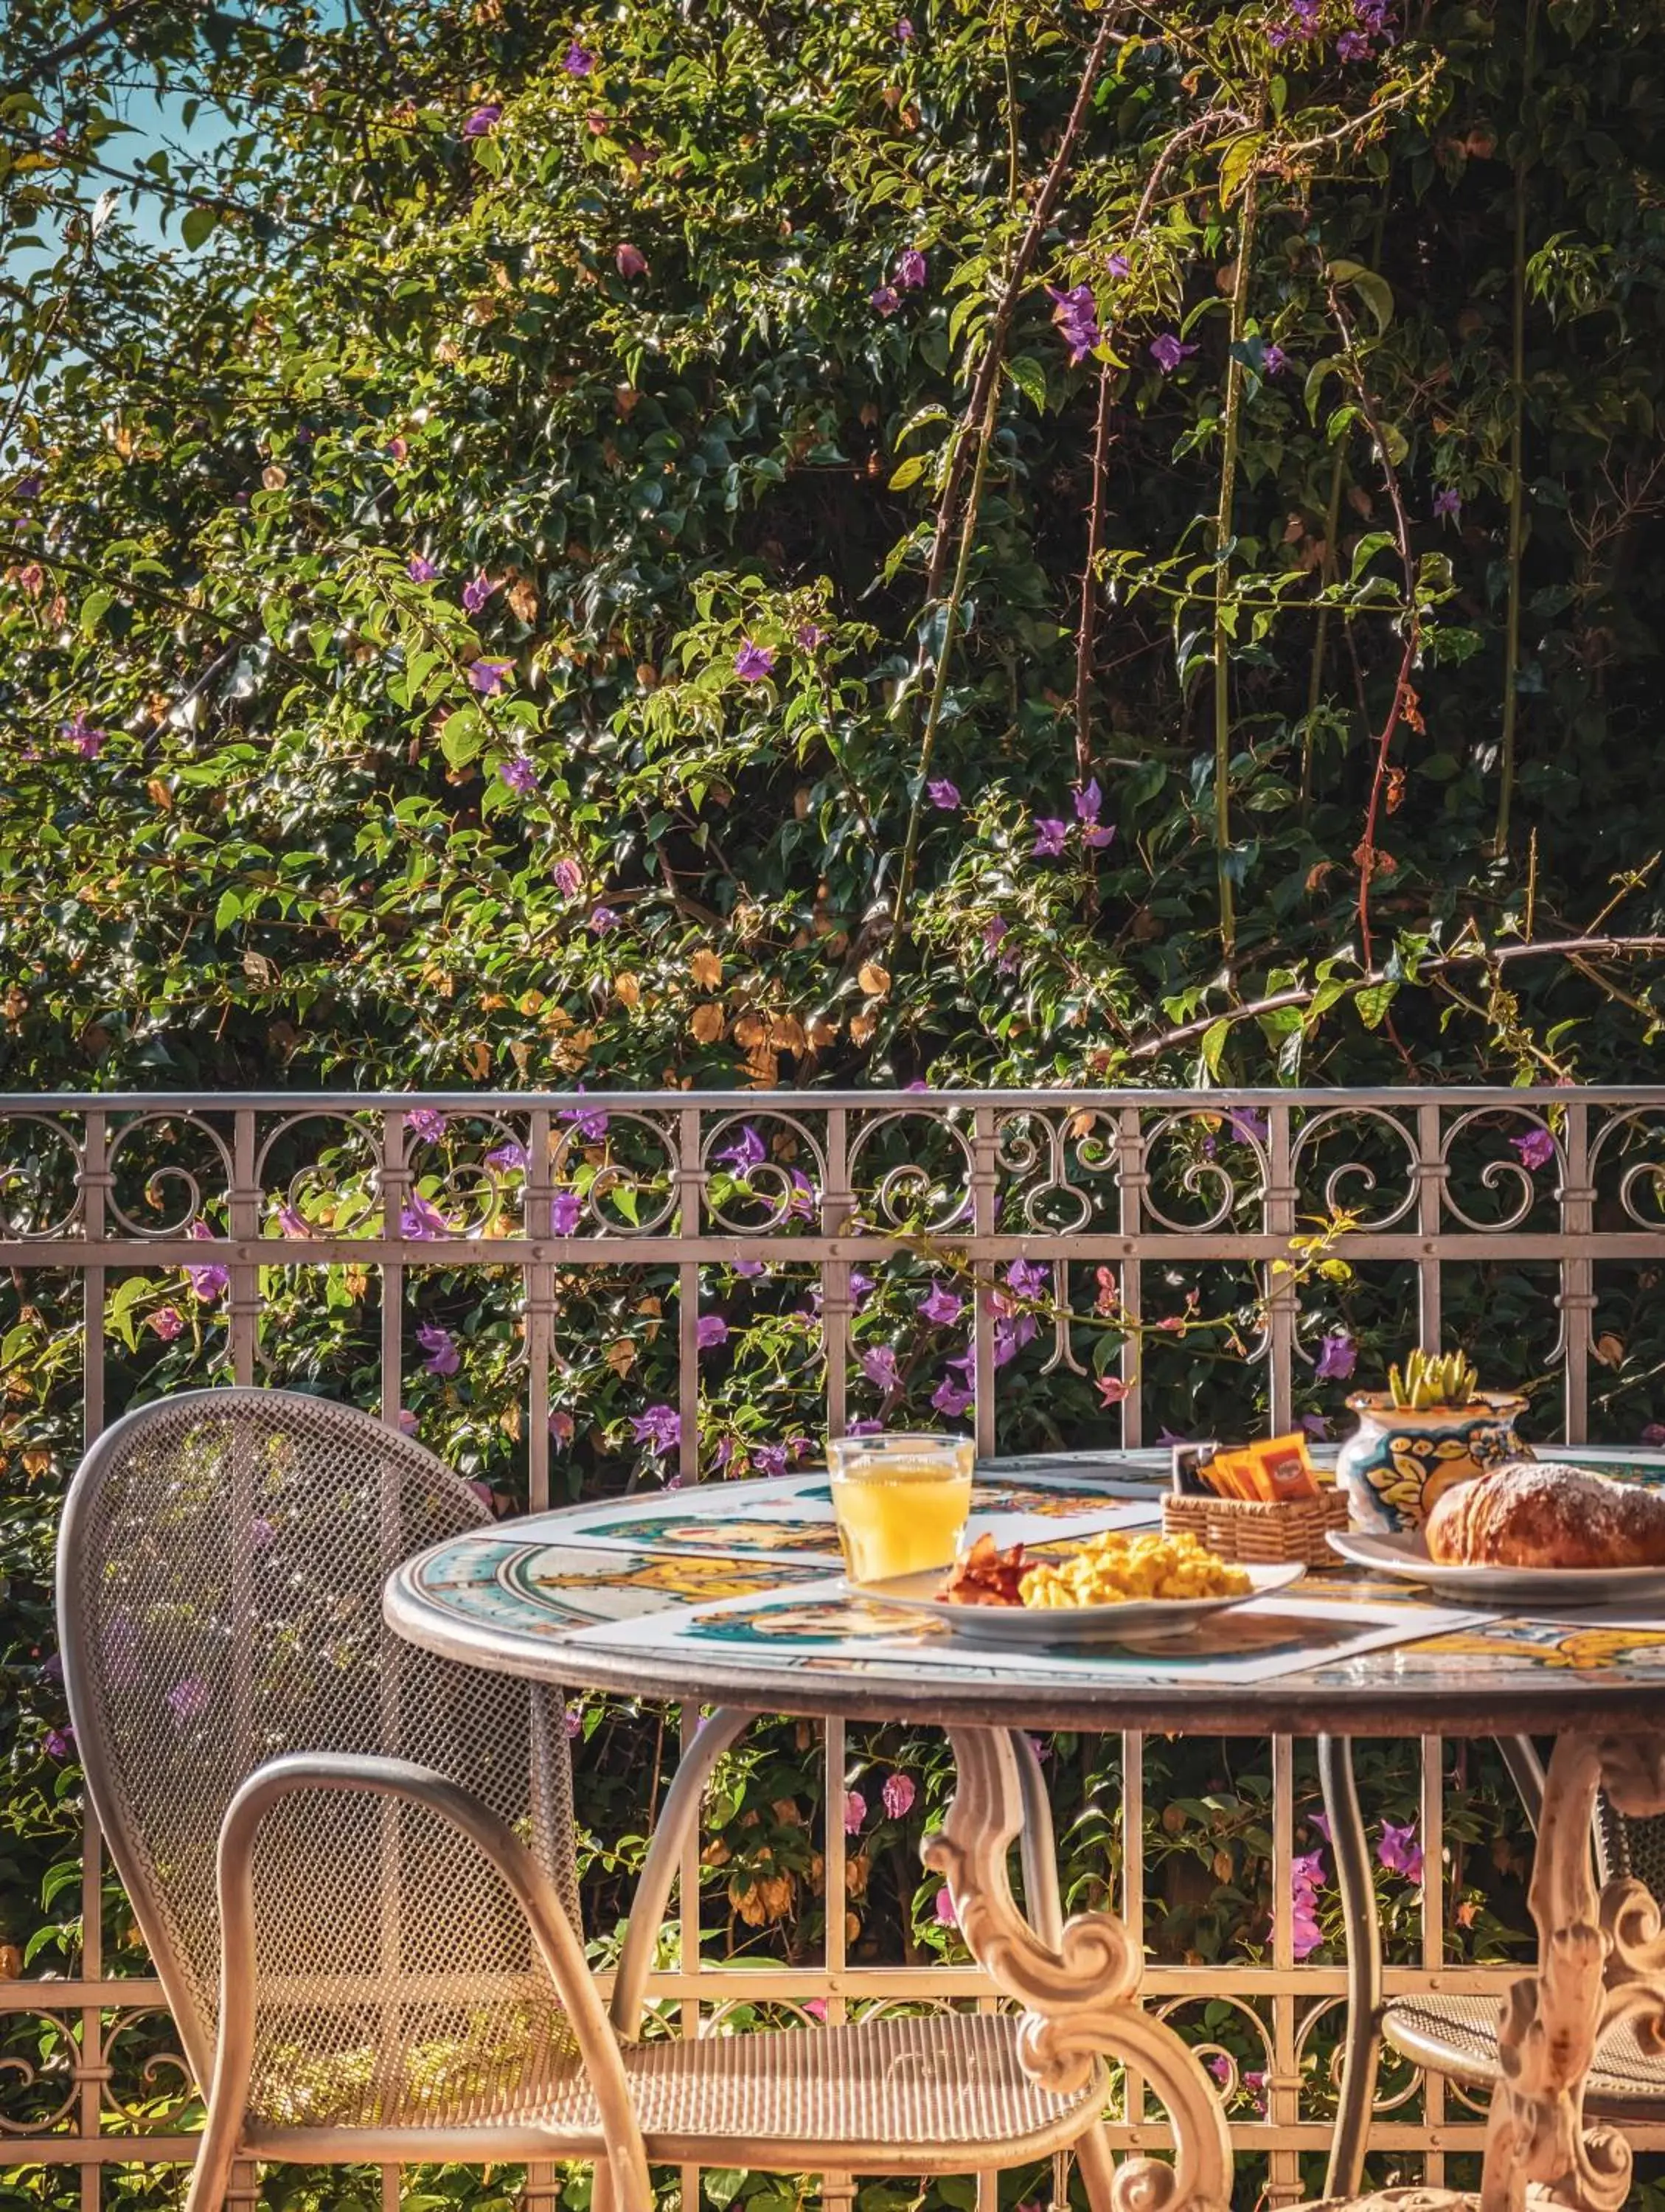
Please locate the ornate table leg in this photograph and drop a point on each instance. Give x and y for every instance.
(1601, 1960)
(1080, 1995)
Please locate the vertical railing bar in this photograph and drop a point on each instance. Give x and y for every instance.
(245, 1229)
(687, 1295)
(94, 1183)
(1283, 2086)
(837, 1203)
(1577, 1273)
(1432, 1903)
(537, 1196)
(1281, 1313)
(395, 1181)
(1430, 1182)
(985, 1171)
(835, 2188)
(1130, 1184)
(1132, 1890)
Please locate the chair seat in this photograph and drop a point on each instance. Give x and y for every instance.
(897, 2095)
(1399, 2200)
(1458, 2035)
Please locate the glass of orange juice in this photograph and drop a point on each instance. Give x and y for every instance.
(901, 1502)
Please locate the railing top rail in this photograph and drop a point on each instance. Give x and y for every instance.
(1401, 1095)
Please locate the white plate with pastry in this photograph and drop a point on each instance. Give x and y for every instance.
(1534, 1533)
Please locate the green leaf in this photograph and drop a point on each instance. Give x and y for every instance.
(198, 225)
(1213, 1045)
(1030, 379)
(93, 609)
(1373, 1002)
(228, 911)
(909, 471)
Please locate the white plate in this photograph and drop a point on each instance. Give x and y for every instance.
(1406, 1557)
(1048, 1628)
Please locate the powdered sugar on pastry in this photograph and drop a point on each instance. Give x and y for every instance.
(1541, 1513)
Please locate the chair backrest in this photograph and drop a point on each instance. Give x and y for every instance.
(220, 1575)
(1631, 1849)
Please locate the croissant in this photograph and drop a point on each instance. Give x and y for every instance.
(1539, 1514)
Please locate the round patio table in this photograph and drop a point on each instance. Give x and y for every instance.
(733, 1598)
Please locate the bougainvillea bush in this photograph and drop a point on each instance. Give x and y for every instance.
(710, 544)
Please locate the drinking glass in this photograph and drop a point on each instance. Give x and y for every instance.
(901, 1502)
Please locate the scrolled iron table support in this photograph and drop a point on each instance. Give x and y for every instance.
(1080, 1993)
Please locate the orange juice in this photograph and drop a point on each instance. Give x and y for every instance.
(901, 1502)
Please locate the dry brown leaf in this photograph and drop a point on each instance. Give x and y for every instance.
(1609, 1349)
(705, 1023)
(822, 1032)
(522, 596)
(706, 968)
(627, 989)
(862, 1027)
(621, 1356)
(786, 1033)
(476, 1058)
(750, 1030)
(874, 980)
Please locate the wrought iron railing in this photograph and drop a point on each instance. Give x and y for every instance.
(1183, 1201)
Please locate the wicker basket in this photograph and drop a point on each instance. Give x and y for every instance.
(1257, 1534)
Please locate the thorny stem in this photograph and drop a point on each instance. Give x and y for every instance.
(1366, 854)
(1321, 641)
(1516, 457)
(1234, 394)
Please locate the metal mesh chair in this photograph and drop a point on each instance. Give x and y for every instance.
(352, 1860)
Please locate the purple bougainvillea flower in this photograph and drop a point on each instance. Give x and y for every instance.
(484, 120)
(426, 1122)
(1088, 800)
(1220, 2067)
(1337, 1355)
(1399, 1851)
(1317, 1425)
(943, 794)
(293, 1223)
(1049, 835)
(810, 636)
(590, 1121)
(166, 1323)
(994, 930)
(746, 1151)
(569, 878)
(911, 269)
(630, 260)
(905, 32)
(750, 1268)
(884, 299)
(951, 1399)
(488, 676)
(659, 1428)
(856, 1812)
(408, 1423)
(574, 1718)
(941, 1306)
(508, 1158)
(878, 1364)
(861, 1287)
(443, 1357)
(1274, 361)
(1250, 1123)
(187, 1699)
(1076, 313)
(566, 1211)
(1012, 1333)
(60, 1742)
(602, 918)
(476, 592)
(519, 773)
(768, 1459)
(897, 1796)
(27, 489)
(1352, 46)
(420, 1219)
(578, 60)
(1029, 1279)
(1536, 1148)
(1117, 265)
(944, 1912)
(710, 1331)
(752, 663)
(865, 1429)
(87, 741)
(1306, 1876)
(1447, 504)
(420, 569)
(212, 1281)
(1168, 351)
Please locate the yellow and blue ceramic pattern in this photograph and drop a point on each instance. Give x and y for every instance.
(1399, 1460)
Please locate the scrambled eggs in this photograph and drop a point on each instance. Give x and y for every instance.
(1109, 1570)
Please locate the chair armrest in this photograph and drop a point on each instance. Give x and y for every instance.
(557, 1943)
(717, 1731)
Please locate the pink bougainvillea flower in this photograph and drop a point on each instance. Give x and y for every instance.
(710, 1331)
(476, 592)
(1653, 1433)
(166, 1323)
(1049, 835)
(884, 299)
(856, 1812)
(420, 569)
(519, 773)
(426, 1123)
(1112, 1389)
(1306, 1875)
(569, 878)
(897, 1796)
(484, 120)
(941, 1306)
(578, 60)
(816, 2008)
(408, 1423)
(1168, 351)
(752, 663)
(659, 1428)
(1337, 1355)
(1536, 1148)
(488, 676)
(1076, 313)
(88, 741)
(630, 260)
(944, 1911)
(1399, 1851)
(943, 794)
(443, 1357)
(212, 1281)
(878, 1364)
(911, 269)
